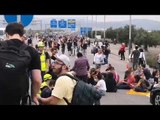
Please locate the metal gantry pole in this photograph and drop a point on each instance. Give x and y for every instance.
(104, 26)
(129, 35)
(92, 26)
(87, 26)
(96, 27)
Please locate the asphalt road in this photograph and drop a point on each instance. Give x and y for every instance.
(120, 97)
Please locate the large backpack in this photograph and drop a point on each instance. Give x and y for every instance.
(83, 93)
(14, 83)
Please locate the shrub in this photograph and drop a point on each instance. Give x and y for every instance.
(151, 57)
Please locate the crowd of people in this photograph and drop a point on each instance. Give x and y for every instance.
(48, 60)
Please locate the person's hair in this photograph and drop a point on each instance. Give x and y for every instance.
(143, 65)
(141, 50)
(99, 76)
(128, 72)
(52, 49)
(136, 47)
(93, 71)
(79, 54)
(15, 28)
(52, 83)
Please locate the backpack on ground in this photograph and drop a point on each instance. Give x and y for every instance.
(14, 80)
(83, 93)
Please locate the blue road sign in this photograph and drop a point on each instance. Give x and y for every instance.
(62, 23)
(24, 19)
(85, 30)
(53, 23)
(71, 23)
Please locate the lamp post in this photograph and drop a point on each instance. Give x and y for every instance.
(129, 46)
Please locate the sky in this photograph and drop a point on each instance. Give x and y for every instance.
(100, 18)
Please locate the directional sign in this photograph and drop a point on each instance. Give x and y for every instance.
(83, 30)
(62, 23)
(53, 23)
(71, 23)
(25, 20)
(89, 29)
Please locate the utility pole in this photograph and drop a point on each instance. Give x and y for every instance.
(129, 46)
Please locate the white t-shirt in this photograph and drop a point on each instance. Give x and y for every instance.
(101, 85)
(98, 58)
(64, 88)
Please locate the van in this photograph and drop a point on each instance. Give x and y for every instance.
(2, 34)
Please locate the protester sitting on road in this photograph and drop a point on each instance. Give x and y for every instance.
(100, 86)
(128, 82)
(110, 82)
(116, 76)
(142, 85)
(91, 76)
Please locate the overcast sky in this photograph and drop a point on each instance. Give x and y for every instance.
(100, 18)
(109, 18)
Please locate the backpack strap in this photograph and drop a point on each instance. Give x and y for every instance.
(74, 78)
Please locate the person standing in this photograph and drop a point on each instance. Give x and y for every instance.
(81, 67)
(17, 62)
(135, 55)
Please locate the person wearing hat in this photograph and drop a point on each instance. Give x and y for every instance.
(46, 86)
(64, 85)
(44, 58)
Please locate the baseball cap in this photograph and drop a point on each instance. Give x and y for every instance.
(65, 59)
(40, 44)
(47, 77)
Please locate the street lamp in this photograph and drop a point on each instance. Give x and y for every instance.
(129, 46)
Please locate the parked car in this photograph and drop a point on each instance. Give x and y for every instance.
(155, 96)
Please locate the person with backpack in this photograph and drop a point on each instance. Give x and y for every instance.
(68, 89)
(17, 62)
(63, 86)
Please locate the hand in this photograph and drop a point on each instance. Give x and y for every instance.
(35, 100)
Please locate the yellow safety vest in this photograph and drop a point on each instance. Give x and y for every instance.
(44, 84)
(43, 61)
